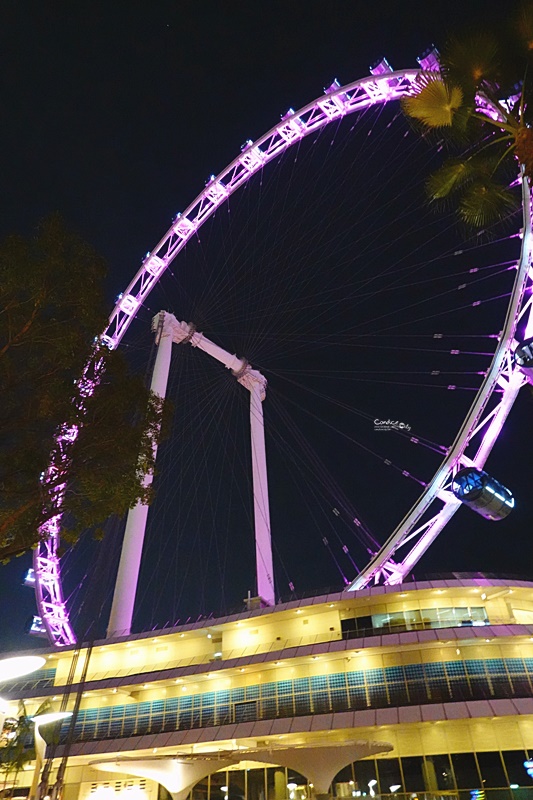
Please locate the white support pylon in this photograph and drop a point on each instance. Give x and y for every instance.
(169, 330)
(130, 557)
(256, 384)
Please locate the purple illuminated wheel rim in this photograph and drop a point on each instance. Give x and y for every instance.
(338, 101)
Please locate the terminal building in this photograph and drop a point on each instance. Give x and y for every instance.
(420, 690)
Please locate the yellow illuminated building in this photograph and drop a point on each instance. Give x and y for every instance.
(418, 690)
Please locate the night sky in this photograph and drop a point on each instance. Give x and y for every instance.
(115, 114)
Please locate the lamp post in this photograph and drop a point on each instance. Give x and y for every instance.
(40, 745)
(16, 667)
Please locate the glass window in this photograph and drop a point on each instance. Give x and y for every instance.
(377, 696)
(495, 666)
(418, 692)
(268, 708)
(345, 775)
(276, 779)
(285, 687)
(398, 694)
(245, 712)
(475, 667)
(255, 784)
(413, 778)
(301, 685)
(460, 690)
(365, 774)
(465, 769)
(223, 715)
(200, 791)
(356, 626)
(363, 626)
(236, 784)
(430, 618)
(514, 764)
(439, 772)
(216, 783)
(298, 785)
(414, 671)
(285, 706)
(337, 681)
(394, 674)
(492, 772)
(521, 686)
(321, 703)
(390, 779)
(302, 704)
(339, 700)
(355, 678)
(375, 676)
(455, 669)
(357, 696)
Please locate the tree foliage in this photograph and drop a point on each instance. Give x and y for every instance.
(17, 741)
(480, 102)
(52, 309)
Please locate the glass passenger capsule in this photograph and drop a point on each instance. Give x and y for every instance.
(482, 493)
(523, 358)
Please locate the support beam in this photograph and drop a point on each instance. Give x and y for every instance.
(177, 775)
(168, 331)
(130, 557)
(256, 384)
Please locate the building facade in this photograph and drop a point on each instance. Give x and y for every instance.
(432, 682)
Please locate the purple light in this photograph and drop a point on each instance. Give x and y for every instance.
(381, 68)
(50, 602)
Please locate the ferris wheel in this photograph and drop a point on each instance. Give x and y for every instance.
(459, 479)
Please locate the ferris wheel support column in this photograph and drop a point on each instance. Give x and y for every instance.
(256, 384)
(130, 557)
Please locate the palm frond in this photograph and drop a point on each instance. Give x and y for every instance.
(472, 60)
(453, 174)
(524, 25)
(484, 203)
(435, 103)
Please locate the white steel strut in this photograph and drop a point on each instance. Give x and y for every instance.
(170, 331)
(130, 556)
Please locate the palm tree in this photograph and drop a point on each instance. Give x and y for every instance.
(479, 102)
(17, 743)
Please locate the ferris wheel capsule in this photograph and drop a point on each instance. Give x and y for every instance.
(523, 358)
(482, 493)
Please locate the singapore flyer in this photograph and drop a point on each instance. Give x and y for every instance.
(371, 95)
(386, 336)
(266, 355)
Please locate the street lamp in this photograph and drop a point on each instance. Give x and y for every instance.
(40, 744)
(19, 665)
(16, 667)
